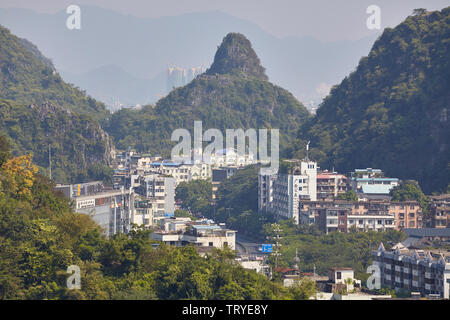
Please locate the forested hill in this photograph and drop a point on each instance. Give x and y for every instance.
(393, 112)
(26, 76)
(38, 109)
(234, 93)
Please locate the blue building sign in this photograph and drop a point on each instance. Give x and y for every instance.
(266, 248)
(168, 215)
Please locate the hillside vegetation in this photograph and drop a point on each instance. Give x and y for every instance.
(234, 93)
(392, 112)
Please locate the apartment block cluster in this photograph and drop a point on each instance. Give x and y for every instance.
(421, 272)
(311, 197)
(143, 193)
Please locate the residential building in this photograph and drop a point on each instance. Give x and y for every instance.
(144, 213)
(231, 157)
(340, 215)
(181, 172)
(160, 191)
(429, 234)
(289, 188)
(330, 185)
(266, 179)
(371, 184)
(204, 233)
(408, 270)
(440, 211)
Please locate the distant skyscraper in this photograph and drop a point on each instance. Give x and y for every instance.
(178, 77)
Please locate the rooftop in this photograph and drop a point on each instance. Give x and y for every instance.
(427, 232)
(376, 189)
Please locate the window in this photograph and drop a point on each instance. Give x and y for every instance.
(411, 207)
(411, 214)
(210, 244)
(360, 221)
(411, 224)
(338, 275)
(380, 221)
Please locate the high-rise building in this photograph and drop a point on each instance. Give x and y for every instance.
(281, 194)
(178, 77)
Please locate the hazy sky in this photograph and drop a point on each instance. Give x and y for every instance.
(323, 19)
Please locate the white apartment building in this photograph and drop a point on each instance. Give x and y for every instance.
(289, 188)
(181, 172)
(160, 191)
(199, 234)
(230, 157)
(266, 179)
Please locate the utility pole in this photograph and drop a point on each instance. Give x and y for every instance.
(50, 160)
(277, 230)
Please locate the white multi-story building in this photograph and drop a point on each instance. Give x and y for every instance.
(182, 231)
(230, 157)
(112, 210)
(181, 172)
(281, 193)
(160, 191)
(266, 179)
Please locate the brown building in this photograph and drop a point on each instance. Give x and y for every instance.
(330, 185)
(440, 211)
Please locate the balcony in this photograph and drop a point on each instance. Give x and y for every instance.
(415, 273)
(428, 275)
(388, 266)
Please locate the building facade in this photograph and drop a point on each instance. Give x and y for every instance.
(440, 211)
(330, 185)
(340, 215)
(414, 271)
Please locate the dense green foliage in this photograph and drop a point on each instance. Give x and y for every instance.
(229, 100)
(195, 195)
(40, 236)
(325, 251)
(25, 77)
(410, 190)
(350, 195)
(38, 109)
(80, 148)
(392, 112)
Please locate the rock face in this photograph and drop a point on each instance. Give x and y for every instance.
(38, 109)
(77, 143)
(236, 55)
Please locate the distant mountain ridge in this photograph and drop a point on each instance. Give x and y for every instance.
(145, 47)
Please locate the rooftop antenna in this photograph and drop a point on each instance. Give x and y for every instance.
(307, 150)
(296, 261)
